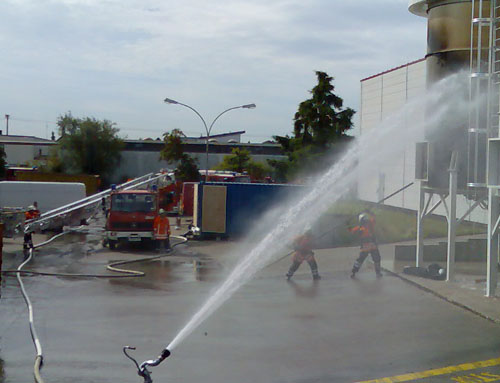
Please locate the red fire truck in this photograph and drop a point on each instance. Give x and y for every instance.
(132, 212)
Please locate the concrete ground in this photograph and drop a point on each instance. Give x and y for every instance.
(270, 330)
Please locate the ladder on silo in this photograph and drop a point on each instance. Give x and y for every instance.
(495, 68)
(483, 115)
(484, 122)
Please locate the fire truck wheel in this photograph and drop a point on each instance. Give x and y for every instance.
(111, 244)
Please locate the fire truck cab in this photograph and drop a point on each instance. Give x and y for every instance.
(131, 215)
(132, 212)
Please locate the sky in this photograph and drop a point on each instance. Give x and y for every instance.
(118, 60)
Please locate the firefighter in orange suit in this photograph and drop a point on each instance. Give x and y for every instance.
(368, 243)
(29, 215)
(161, 230)
(303, 252)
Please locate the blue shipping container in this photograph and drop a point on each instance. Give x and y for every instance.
(231, 209)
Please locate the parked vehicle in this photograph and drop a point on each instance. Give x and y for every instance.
(224, 176)
(132, 212)
(187, 198)
(131, 215)
(16, 196)
(49, 195)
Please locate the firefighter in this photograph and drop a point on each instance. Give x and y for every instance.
(35, 205)
(32, 212)
(161, 230)
(302, 246)
(29, 215)
(368, 242)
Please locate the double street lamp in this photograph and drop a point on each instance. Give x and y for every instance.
(208, 129)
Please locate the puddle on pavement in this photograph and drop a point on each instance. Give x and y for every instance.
(303, 290)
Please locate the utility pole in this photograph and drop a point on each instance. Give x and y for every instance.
(7, 123)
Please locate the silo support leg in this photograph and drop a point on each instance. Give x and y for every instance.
(420, 217)
(492, 249)
(452, 225)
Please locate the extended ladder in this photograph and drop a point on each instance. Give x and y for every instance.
(74, 212)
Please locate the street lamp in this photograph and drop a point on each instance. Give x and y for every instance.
(208, 129)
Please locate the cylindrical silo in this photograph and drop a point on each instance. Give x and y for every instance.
(449, 36)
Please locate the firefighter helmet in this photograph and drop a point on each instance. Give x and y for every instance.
(363, 217)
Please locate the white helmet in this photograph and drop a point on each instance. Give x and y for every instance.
(363, 217)
(31, 208)
(161, 211)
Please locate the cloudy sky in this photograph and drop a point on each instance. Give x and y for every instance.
(118, 60)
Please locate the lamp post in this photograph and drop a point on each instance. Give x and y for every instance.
(208, 129)
(7, 123)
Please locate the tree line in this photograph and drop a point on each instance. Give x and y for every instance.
(320, 126)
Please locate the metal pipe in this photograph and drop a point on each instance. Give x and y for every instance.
(396, 192)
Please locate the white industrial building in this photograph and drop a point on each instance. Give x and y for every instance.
(384, 94)
(25, 150)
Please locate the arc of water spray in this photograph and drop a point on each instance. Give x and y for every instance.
(378, 145)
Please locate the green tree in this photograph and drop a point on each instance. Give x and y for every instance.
(173, 152)
(258, 170)
(187, 170)
(87, 146)
(240, 161)
(237, 161)
(320, 125)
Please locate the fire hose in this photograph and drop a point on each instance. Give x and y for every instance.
(111, 267)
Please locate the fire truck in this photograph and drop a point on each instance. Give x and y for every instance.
(132, 212)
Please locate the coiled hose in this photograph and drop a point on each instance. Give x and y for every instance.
(111, 267)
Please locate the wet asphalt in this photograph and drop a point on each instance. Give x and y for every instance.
(271, 330)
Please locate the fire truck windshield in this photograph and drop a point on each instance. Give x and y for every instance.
(129, 202)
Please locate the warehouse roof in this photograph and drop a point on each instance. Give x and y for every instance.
(393, 69)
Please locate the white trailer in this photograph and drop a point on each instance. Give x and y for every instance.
(49, 195)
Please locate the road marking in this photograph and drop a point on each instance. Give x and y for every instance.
(438, 371)
(477, 378)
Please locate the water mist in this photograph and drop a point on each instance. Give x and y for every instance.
(378, 147)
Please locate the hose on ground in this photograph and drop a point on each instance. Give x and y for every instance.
(111, 267)
(34, 336)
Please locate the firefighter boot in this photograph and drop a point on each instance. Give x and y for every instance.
(292, 270)
(377, 270)
(314, 270)
(355, 269)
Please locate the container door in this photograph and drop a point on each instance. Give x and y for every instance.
(213, 215)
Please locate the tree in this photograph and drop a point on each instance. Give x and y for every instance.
(240, 161)
(237, 161)
(173, 152)
(320, 124)
(320, 120)
(187, 170)
(88, 146)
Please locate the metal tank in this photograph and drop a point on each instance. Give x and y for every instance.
(450, 41)
(464, 34)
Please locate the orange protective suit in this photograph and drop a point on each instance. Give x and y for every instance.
(161, 227)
